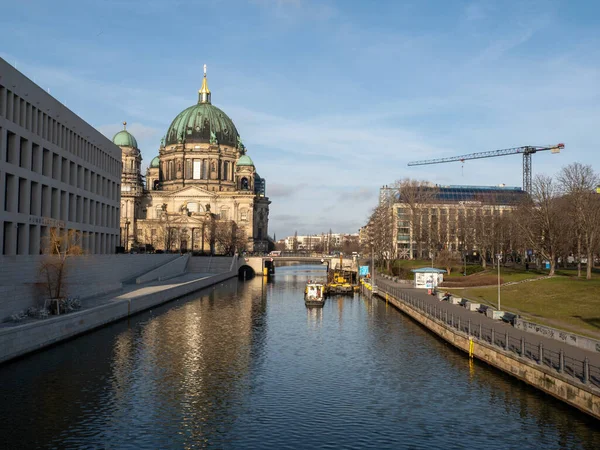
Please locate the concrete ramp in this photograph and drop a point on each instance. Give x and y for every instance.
(209, 264)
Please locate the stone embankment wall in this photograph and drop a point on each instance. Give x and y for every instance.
(209, 264)
(19, 340)
(562, 387)
(169, 270)
(21, 284)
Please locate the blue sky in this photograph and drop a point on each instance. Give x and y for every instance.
(331, 98)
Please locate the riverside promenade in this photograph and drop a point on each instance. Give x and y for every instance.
(504, 346)
(20, 338)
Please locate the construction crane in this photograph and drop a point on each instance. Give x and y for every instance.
(526, 151)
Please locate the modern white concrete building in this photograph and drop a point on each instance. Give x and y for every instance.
(56, 170)
(324, 242)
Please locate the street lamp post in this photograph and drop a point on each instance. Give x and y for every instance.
(499, 256)
(372, 268)
(127, 235)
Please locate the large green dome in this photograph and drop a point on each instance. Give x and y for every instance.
(196, 123)
(155, 163)
(124, 139)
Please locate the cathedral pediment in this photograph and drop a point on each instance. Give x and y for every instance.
(187, 192)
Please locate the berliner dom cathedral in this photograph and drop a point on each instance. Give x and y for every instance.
(201, 193)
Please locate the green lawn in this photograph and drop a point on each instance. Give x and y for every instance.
(564, 302)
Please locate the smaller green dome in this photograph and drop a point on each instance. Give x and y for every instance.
(245, 161)
(124, 139)
(155, 163)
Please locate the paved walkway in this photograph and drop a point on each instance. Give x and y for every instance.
(459, 317)
(131, 291)
(128, 291)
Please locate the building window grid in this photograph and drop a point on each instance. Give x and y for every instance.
(48, 163)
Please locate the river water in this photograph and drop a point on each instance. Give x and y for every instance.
(246, 365)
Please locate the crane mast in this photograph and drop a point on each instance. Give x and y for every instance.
(526, 151)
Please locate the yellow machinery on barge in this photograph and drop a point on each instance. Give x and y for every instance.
(340, 280)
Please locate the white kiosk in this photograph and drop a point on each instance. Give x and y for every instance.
(428, 277)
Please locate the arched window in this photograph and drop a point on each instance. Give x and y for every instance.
(244, 184)
(225, 170)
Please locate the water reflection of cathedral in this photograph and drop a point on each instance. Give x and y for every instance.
(202, 190)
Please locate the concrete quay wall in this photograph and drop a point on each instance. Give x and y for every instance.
(168, 270)
(562, 387)
(19, 340)
(22, 285)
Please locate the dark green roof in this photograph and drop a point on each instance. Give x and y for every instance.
(195, 124)
(245, 161)
(124, 139)
(155, 163)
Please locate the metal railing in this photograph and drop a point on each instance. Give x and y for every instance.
(583, 371)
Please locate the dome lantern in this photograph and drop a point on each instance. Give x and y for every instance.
(204, 92)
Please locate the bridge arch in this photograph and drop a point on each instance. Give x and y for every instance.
(246, 272)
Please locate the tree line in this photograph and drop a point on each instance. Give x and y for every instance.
(558, 221)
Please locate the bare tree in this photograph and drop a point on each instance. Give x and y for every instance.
(229, 238)
(59, 247)
(538, 220)
(578, 183)
(381, 234)
(447, 259)
(483, 236)
(417, 196)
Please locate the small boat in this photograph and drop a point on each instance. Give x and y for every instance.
(314, 295)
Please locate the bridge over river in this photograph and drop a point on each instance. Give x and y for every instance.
(255, 265)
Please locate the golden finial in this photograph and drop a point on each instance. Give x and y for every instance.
(124, 125)
(204, 89)
(204, 92)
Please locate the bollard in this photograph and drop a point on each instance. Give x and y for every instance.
(586, 370)
(561, 361)
(446, 316)
(479, 330)
(506, 341)
(458, 326)
(523, 347)
(469, 327)
(493, 336)
(452, 320)
(541, 357)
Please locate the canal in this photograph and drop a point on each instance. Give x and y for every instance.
(246, 365)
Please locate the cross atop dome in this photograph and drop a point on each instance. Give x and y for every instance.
(204, 92)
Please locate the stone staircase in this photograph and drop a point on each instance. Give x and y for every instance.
(209, 264)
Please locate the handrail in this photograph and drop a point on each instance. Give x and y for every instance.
(581, 371)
